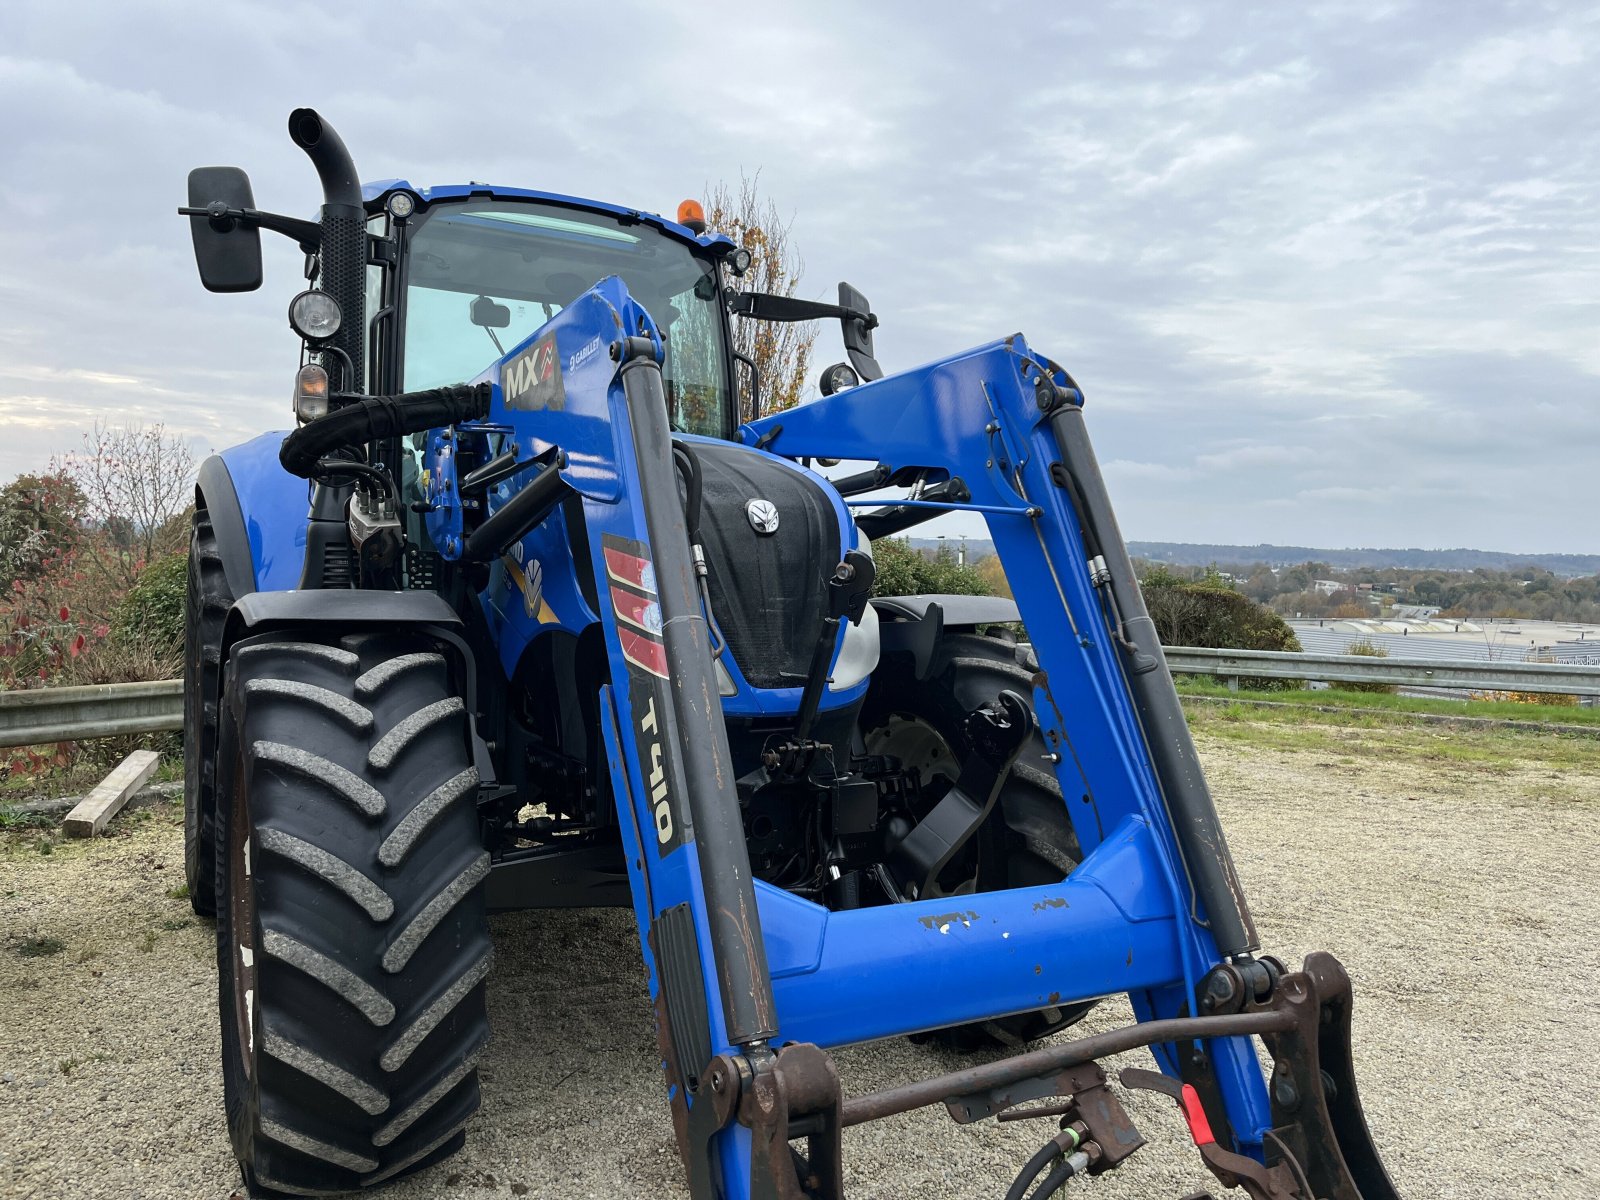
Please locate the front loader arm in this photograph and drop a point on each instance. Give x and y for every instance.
(749, 982)
(1007, 423)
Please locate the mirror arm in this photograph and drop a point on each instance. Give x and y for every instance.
(763, 306)
(223, 219)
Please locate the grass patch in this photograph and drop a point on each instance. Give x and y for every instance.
(68, 1065)
(1496, 710)
(40, 947)
(13, 819)
(181, 892)
(1391, 736)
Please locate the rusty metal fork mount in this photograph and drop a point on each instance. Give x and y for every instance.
(1319, 1146)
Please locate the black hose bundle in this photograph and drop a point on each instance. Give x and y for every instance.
(372, 418)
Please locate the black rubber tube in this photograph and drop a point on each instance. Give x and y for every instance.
(380, 417)
(1193, 813)
(693, 484)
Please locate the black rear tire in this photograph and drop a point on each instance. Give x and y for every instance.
(1027, 840)
(352, 943)
(207, 601)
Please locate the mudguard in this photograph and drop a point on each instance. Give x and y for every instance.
(265, 550)
(958, 611)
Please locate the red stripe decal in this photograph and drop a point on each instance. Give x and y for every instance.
(637, 610)
(642, 652)
(630, 569)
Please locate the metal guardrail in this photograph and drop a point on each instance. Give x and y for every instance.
(78, 713)
(1572, 679)
(42, 715)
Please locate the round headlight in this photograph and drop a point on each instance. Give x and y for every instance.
(315, 316)
(739, 261)
(837, 378)
(402, 205)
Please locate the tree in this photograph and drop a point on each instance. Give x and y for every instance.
(781, 351)
(993, 573)
(41, 520)
(137, 485)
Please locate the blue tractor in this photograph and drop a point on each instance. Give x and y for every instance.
(525, 612)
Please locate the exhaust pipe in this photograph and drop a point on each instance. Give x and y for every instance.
(344, 241)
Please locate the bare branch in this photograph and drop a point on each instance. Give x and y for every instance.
(137, 483)
(781, 352)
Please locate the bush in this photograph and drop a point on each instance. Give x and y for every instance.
(150, 616)
(1366, 648)
(1206, 614)
(906, 571)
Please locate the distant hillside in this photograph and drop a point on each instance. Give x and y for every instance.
(1200, 554)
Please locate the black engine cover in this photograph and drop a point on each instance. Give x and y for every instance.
(768, 590)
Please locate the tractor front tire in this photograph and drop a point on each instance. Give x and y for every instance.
(352, 943)
(207, 601)
(1027, 840)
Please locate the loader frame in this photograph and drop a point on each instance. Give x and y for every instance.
(751, 983)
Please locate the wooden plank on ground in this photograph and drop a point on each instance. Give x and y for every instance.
(91, 814)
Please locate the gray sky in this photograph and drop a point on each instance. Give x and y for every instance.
(1328, 273)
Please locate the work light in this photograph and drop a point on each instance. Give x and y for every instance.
(315, 316)
(837, 378)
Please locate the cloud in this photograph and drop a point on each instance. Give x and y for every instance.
(1327, 273)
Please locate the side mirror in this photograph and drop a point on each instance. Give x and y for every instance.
(227, 250)
(858, 325)
(489, 315)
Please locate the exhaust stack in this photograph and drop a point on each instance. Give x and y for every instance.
(344, 241)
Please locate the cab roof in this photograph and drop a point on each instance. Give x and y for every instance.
(375, 191)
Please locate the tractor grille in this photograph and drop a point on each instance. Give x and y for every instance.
(768, 591)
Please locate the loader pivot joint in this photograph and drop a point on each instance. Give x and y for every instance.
(782, 1097)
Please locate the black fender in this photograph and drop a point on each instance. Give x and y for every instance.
(914, 624)
(956, 611)
(214, 492)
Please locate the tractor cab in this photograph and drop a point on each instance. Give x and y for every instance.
(466, 273)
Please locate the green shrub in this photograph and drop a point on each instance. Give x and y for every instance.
(1205, 614)
(906, 571)
(1367, 648)
(151, 614)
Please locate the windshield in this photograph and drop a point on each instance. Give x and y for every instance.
(536, 258)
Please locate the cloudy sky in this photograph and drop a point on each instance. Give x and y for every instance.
(1328, 273)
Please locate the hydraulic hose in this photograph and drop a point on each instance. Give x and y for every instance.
(375, 417)
(689, 468)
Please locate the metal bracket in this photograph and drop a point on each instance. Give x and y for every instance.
(1106, 1123)
(998, 731)
(780, 1097)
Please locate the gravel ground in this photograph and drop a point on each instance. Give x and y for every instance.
(1461, 899)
